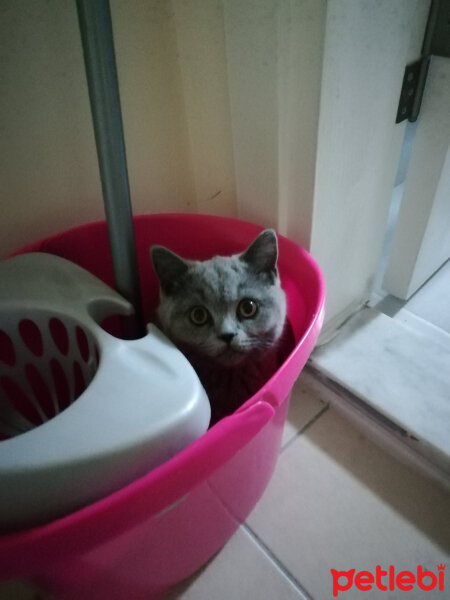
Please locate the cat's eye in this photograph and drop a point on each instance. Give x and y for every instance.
(247, 308)
(198, 315)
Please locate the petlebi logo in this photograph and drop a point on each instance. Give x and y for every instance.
(388, 579)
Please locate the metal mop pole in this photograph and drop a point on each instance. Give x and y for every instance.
(98, 47)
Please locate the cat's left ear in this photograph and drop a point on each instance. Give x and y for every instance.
(262, 253)
(169, 268)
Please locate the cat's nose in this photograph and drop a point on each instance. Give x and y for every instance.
(227, 337)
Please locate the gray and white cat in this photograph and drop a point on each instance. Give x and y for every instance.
(227, 315)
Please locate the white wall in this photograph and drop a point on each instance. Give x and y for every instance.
(48, 169)
(221, 102)
(220, 107)
(421, 242)
(367, 46)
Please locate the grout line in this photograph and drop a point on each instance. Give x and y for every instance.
(304, 428)
(280, 566)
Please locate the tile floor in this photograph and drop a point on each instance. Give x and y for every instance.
(401, 371)
(394, 356)
(336, 500)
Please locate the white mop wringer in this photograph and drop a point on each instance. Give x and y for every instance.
(83, 413)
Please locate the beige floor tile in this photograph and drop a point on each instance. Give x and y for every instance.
(240, 571)
(338, 501)
(306, 403)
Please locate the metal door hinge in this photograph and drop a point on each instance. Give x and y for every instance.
(437, 42)
(412, 90)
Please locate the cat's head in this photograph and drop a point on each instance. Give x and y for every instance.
(225, 308)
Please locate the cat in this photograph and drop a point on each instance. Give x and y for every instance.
(227, 315)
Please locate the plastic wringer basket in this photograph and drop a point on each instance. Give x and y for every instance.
(82, 413)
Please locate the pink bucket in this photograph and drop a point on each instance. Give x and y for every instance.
(143, 539)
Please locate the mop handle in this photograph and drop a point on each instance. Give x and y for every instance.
(98, 48)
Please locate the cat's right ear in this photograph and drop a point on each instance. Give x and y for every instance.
(169, 268)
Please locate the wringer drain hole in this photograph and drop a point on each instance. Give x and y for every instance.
(46, 363)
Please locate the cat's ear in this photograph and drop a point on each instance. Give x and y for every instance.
(262, 253)
(169, 268)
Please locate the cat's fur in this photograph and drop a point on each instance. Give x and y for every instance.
(232, 355)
